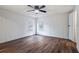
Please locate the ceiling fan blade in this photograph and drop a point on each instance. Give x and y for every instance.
(30, 6)
(43, 11)
(30, 10)
(42, 6)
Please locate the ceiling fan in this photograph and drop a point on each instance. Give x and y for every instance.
(37, 8)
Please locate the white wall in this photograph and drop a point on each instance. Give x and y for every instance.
(13, 26)
(54, 25)
(77, 8)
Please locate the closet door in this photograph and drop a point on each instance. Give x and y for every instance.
(71, 31)
(72, 26)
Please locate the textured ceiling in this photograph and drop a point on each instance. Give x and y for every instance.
(51, 9)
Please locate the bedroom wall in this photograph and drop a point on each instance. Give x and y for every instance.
(14, 25)
(53, 25)
(77, 8)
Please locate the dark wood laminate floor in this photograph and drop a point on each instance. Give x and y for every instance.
(38, 44)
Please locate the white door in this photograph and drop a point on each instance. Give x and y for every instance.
(71, 31)
(72, 26)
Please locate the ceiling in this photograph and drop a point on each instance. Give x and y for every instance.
(51, 9)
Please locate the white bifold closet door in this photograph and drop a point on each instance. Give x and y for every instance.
(72, 26)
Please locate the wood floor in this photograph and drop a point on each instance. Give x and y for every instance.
(39, 44)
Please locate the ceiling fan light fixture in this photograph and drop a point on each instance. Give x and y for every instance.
(36, 11)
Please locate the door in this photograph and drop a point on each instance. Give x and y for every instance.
(72, 26)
